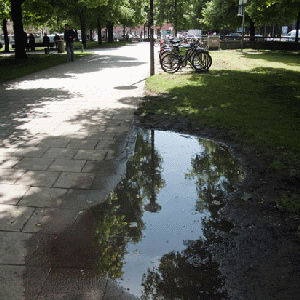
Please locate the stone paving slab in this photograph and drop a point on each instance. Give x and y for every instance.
(38, 178)
(73, 284)
(30, 151)
(83, 144)
(75, 180)
(38, 219)
(59, 153)
(12, 194)
(9, 162)
(11, 278)
(83, 199)
(35, 164)
(13, 247)
(67, 165)
(90, 154)
(10, 176)
(14, 218)
(54, 142)
(43, 197)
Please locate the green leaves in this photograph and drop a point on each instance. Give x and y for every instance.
(4, 9)
(273, 11)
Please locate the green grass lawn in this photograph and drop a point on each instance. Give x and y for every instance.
(254, 95)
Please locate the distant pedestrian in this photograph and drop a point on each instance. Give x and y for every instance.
(69, 37)
(31, 42)
(25, 39)
(76, 35)
(46, 42)
(55, 39)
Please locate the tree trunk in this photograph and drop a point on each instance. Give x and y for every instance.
(297, 28)
(176, 21)
(6, 39)
(252, 30)
(110, 31)
(16, 14)
(83, 31)
(99, 29)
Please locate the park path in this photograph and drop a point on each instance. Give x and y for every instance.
(65, 137)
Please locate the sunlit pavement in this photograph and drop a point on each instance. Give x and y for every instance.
(65, 137)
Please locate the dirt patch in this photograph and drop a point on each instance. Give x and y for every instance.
(260, 256)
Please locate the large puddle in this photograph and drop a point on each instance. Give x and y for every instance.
(152, 230)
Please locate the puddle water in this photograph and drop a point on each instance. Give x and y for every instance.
(152, 230)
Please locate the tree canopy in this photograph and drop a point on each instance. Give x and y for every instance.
(184, 14)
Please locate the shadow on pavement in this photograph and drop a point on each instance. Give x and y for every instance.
(57, 159)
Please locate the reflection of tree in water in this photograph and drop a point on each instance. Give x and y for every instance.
(216, 171)
(191, 274)
(119, 219)
(186, 275)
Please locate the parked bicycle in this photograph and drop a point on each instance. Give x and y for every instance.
(176, 54)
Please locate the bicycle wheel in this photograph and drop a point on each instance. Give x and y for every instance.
(201, 60)
(189, 54)
(162, 54)
(171, 62)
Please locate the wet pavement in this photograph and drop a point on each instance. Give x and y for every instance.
(168, 203)
(65, 138)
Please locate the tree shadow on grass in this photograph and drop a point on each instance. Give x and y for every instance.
(288, 58)
(262, 105)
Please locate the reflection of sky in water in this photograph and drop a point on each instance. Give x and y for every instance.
(177, 221)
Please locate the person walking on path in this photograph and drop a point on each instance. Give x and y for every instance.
(46, 42)
(31, 42)
(69, 39)
(55, 39)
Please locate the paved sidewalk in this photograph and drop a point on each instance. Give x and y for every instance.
(65, 136)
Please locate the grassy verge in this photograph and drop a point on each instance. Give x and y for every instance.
(252, 95)
(104, 44)
(11, 69)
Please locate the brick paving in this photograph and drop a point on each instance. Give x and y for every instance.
(64, 135)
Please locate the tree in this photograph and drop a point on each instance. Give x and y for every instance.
(16, 14)
(4, 15)
(195, 20)
(279, 12)
(37, 12)
(177, 12)
(269, 12)
(132, 13)
(219, 14)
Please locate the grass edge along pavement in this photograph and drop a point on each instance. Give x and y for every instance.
(33, 63)
(39, 62)
(251, 96)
